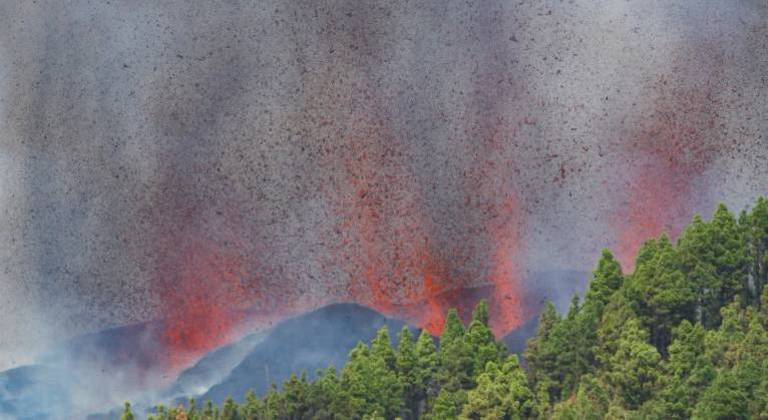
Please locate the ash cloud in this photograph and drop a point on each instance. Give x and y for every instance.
(241, 130)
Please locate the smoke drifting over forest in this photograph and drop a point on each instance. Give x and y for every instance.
(184, 160)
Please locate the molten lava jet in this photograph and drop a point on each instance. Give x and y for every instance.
(211, 298)
(507, 302)
(672, 150)
(202, 291)
(386, 248)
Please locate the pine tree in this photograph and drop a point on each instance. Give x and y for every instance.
(500, 393)
(161, 412)
(519, 400)
(455, 356)
(660, 294)
(634, 367)
(486, 399)
(127, 413)
(578, 329)
(371, 385)
(230, 410)
(426, 371)
(591, 402)
(453, 330)
(615, 315)
(354, 386)
(274, 405)
(447, 405)
(755, 227)
(689, 372)
(724, 399)
(328, 398)
(715, 258)
(731, 256)
(481, 340)
(562, 351)
(732, 329)
(253, 407)
(606, 280)
(192, 411)
(208, 410)
(541, 354)
(296, 396)
(758, 407)
(381, 346)
(407, 371)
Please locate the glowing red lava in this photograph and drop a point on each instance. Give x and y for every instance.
(385, 248)
(507, 302)
(671, 151)
(385, 245)
(385, 231)
(201, 296)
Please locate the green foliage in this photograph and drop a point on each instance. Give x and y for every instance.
(715, 258)
(542, 355)
(369, 384)
(406, 364)
(683, 337)
(447, 405)
(381, 347)
(634, 370)
(659, 292)
(723, 400)
(606, 280)
(455, 359)
(591, 402)
(616, 314)
(562, 351)
(482, 344)
(127, 413)
(230, 411)
(500, 393)
(689, 371)
(755, 228)
(426, 369)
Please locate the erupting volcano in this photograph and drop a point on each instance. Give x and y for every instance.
(180, 177)
(391, 248)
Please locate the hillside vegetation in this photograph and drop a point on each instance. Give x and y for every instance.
(684, 336)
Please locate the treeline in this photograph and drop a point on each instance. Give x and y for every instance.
(684, 336)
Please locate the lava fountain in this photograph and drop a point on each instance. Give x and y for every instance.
(670, 151)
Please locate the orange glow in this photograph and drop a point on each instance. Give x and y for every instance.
(671, 151)
(383, 249)
(658, 205)
(507, 303)
(385, 232)
(201, 295)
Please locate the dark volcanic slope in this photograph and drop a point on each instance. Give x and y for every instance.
(317, 339)
(213, 367)
(121, 363)
(305, 343)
